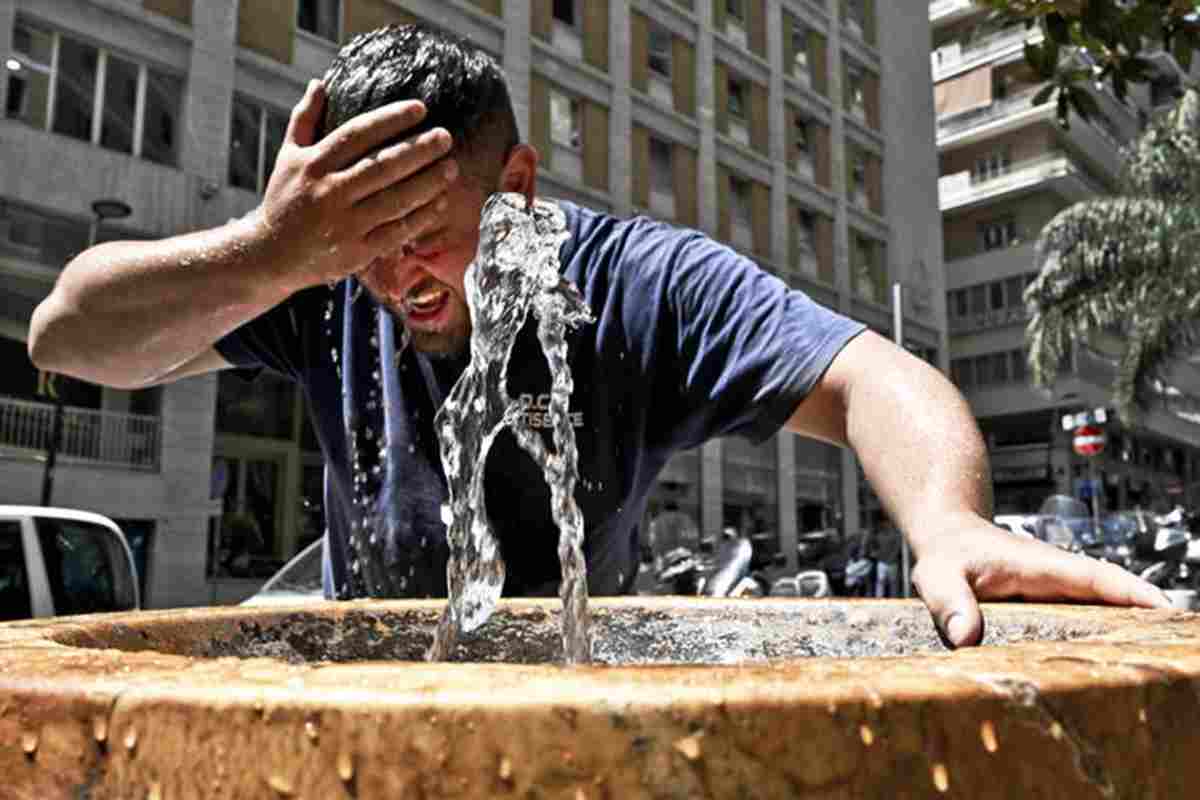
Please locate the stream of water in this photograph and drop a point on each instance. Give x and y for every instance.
(515, 273)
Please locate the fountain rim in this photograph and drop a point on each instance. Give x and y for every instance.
(1166, 641)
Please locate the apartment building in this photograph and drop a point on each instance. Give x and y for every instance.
(1006, 168)
(789, 128)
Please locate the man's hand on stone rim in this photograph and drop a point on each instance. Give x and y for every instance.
(970, 560)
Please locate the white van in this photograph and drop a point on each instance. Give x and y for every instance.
(58, 561)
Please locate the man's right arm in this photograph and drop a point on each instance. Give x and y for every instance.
(134, 314)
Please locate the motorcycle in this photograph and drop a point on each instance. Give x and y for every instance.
(730, 572)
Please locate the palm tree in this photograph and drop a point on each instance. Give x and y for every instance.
(1127, 264)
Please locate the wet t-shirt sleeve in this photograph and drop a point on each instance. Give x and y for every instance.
(275, 339)
(721, 347)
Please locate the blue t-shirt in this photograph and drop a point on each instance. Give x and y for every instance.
(691, 341)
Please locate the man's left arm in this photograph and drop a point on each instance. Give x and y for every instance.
(924, 456)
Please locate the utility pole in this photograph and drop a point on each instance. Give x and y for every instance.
(47, 381)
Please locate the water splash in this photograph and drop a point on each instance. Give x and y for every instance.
(515, 272)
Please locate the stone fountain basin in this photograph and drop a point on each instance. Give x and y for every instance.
(704, 699)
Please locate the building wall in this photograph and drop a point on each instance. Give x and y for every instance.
(226, 48)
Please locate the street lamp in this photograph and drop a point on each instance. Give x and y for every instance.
(102, 209)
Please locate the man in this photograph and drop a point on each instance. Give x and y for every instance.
(380, 184)
(884, 550)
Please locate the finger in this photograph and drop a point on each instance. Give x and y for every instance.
(946, 593)
(306, 116)
(355, 138)
(401, 199)
(401, 233)
(1079, 577)
(378, 170)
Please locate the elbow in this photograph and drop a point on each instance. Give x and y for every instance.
(41, 347)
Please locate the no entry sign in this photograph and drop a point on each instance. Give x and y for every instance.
(1089, 440)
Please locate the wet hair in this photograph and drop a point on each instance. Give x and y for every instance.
(463, 87)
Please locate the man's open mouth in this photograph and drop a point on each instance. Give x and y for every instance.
(425, 300)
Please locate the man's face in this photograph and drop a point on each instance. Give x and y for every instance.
(423, 286)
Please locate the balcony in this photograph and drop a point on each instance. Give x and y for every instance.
(1056, 171)
(944, 12)
(987, 320)
(100, 438)
(960, 56)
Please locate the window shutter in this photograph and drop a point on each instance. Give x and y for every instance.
(259, 28)
(760, 207)
(641, 167)
(683, 75)
(721, 82)
(687, 209)
(759, 129)
(539, 118)
(818, 62)
(595, 33)
(639, 69)
(756, 10)
(543, 19)
(595, 146)
(871, 100)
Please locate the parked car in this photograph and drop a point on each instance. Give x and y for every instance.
(1020, 524)
(59, 561)
(299, 581)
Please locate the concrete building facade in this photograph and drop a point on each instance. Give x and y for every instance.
(789, 128)
(1006, 168)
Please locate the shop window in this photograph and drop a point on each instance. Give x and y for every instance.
(242, 539)
(320, 18)
(991, 166)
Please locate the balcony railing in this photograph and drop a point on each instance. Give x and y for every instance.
(963, 187)
(986, 320)
(957, 122)
(106, 438)
(1011, 38)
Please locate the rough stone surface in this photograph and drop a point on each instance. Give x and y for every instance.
(693, 698)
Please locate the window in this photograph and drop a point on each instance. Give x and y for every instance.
(662, 178)
(242, 545)
(855, 15)
(737, 99)
(858, 176)
(960, 372)
(15, 600)
(54, 83)
(996, 295)
(734, 9)
(800, 137)
(1014, 289)
(957, 303)
(806, 226)
(566, 12)
(978, 299)
(565, 113)
(856, 102)
(320, 18)
(799, 49)
(998, 234)
(255, 138)
(1019, 369)
(660, 51)
(991, 166)
(87, 567)
(739, 195)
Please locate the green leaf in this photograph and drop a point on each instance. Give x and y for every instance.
(1058, 29)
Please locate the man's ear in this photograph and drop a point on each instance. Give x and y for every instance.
(520, 172)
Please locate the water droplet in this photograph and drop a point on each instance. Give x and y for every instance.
(505, 768)
(689, 746)
(1056, 731)
(1142, 715)
(310, 730)
(100, 728)
(131, 739)
(941, 777)
(29, 743)
(155, 792)
(345, 766)
(987, 732)
(866, 734)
